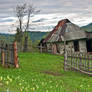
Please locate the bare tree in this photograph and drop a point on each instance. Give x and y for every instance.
(30, 11)
(22, 11)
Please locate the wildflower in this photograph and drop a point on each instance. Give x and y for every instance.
(88, 85)
(47, 91)
(8, 77)
(18, 77)
(20, 84)
(57, 85)
(42, 83)
(22, 80)
(33, 88)
(81, 86)
(50, 86)
(21, 89)
(10, 80)
(37, 86)
(50, 81)
(7, 82)
(1, 78)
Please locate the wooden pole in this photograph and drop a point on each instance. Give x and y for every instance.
(65, 55)
(41, 48)
(15, 55)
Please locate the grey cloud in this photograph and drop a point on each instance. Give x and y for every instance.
(82, 8)
(49, 6)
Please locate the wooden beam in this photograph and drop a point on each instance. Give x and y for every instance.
(15, 55)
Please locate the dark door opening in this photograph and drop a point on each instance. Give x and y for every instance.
(89, 45)
(57, 46)
(76, 46)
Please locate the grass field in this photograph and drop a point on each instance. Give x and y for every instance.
(42, 73)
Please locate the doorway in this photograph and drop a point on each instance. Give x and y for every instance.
(76, 46)
(89, 45)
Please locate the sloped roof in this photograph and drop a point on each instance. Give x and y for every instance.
(60, 23)
(65, 30)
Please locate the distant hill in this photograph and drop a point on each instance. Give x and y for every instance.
(33, 35)
(88, 27)
(37, 35)
(7, 38)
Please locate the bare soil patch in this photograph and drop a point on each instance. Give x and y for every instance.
(52, 73)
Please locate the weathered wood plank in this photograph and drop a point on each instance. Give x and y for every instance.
(79, 61)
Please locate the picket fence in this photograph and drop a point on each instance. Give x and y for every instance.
(9, 54)
(78, 61)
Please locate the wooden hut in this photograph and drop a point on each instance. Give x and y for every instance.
(76, 38)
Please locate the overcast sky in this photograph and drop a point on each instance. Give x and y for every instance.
(77, 11)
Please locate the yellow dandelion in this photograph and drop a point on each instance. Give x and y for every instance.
(8, 77)
(37, 86)
(50, 86)
(42, 83)
(7, 82)
(21, 89)
(56, 85)
(1, 78)
(88, 85)
(33, 88)
(20, 84)
(81, 86)
(47, 91)
(10, 80)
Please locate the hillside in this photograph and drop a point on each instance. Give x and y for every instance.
(8, 38)
(88, 27)
(34, 36)
(37, 35)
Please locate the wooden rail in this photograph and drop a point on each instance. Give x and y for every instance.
(78, 61)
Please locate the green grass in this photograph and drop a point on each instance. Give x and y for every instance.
(32, 76)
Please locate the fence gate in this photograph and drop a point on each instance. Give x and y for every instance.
(8, 54)
(78, 61)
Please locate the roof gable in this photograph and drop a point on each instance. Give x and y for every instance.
(60, 24)
(65, 30)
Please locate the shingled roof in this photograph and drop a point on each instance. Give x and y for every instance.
(65, 30)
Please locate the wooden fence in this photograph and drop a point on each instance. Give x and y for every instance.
(78, 61)
(8, 54)
(40, 49)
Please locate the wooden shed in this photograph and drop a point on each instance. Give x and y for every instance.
(76, 38)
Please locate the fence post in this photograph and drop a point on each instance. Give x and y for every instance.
(15, 55)
(88, 63)
(80, 62)
(65, 60)
(41, 48)
(65, 56)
